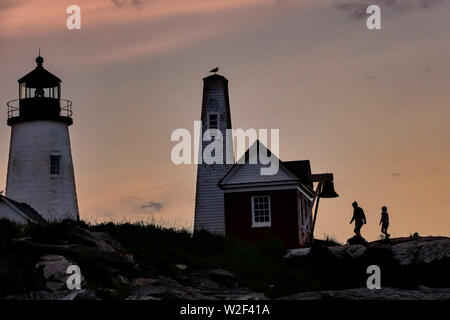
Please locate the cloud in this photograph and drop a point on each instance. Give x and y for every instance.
(156, 45)
(131, 205)
(357, 8)
(437, 171)
(425, 71)
(121, 3)
(137, 3)
(157, 27)
(152, 206)
(25, 17)
(5, 4)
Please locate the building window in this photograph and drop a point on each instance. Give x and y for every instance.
(261, 214)
(55, 164)
(212, 121)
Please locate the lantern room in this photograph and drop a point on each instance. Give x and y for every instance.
(39, 98)
(39, 83)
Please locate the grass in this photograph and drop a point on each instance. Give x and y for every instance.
(260, 267)
(157, 250)
(329, 241)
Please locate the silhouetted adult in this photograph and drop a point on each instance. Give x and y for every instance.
(359, 217)
(384, 221)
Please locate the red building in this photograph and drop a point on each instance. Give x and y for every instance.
(277, 206)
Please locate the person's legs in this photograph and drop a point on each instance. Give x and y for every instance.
(386, 226)
(358, 225)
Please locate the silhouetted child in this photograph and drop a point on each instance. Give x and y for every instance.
(384, 221)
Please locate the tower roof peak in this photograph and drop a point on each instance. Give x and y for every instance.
(215, 76)
(40, 77)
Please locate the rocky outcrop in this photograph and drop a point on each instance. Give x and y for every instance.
(404, 262)
(96, 245)
(99, 251)
(158, 288)
(82, 294)
(426, 250)
(352, 251)
(406, 251)
(54, 269)
(297, 253)
(109, 271)
(203, 288)
(382, 294)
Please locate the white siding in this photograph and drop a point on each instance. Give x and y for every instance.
(29, 179)
(249, 173)
(209, 200)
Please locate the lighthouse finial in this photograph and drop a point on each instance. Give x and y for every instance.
(39, 59)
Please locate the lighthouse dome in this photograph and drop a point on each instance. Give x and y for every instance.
(39, 98)
(40, 77)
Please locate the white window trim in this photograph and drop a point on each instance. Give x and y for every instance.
(261, 224)
(307, 226)
(207, 120)
(305, 194)
(302, 219)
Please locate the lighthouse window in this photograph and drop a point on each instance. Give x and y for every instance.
(212, 121)
(30, 93)
(261, 211)
(55, 164)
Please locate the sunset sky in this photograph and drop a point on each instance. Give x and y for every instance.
(373, 107)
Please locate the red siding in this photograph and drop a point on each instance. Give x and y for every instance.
(284, 217)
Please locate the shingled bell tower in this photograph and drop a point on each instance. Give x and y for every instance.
(40, 169)
(209, 200)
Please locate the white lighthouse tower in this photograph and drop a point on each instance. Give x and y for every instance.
(209, 198)
(40, 169)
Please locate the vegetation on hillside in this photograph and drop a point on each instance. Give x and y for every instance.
(260, 267)
(159, 251)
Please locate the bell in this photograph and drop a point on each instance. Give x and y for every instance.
(328, 190)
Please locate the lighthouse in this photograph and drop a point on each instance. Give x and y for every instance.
(40, 168)
(209, 199)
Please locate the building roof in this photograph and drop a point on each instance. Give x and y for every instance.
(25, 209)
(40, 77)
(299, 170)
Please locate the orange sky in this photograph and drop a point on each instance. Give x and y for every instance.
(370, 106)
